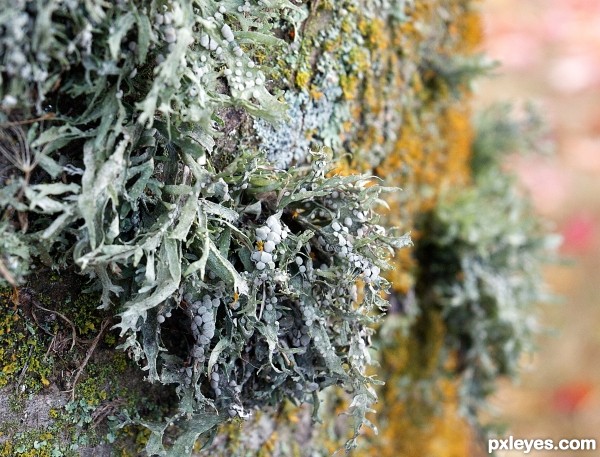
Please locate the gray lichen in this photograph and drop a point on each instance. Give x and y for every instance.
(309, 124)
(255, 264)
(181, 155)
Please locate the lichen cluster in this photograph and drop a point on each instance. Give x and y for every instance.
(118, 168)
(218, 173)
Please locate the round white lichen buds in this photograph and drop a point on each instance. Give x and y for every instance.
(226, 32)
(274, 237)
(268, 237)
(204, 41)
(262, 233)
(274, 224)
(269, 246)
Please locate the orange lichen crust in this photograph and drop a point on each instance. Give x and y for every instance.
(408, 424)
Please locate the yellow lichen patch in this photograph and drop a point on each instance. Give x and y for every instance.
(303, 79)
(343, 167)
(375, 32)
(332, 44)
(359, 59)
(349, 84)
(346, 26)
(315, 93)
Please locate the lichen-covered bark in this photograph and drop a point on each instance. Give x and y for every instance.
(402, 75)
(192, 252)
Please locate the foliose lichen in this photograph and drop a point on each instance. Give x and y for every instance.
(109, 129)
(243, 263)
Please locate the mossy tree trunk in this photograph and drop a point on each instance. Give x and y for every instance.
(175, 150)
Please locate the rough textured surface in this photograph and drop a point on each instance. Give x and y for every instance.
(195, 216)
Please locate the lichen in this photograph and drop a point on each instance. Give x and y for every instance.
(207, 167)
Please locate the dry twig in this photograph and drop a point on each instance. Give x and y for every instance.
(89, 353)
(73, 330)
(105, 410)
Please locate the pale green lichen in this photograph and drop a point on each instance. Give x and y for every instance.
(256, 266)
(241, 269)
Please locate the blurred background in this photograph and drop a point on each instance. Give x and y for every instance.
(550, 55)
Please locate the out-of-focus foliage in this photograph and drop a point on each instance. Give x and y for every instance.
(480, 260)
(502, 129)
(484, 252)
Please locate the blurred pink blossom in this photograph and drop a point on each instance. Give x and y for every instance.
(570, 398)
(579, 234)
(570, 74)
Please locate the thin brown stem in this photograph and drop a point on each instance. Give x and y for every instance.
(73, 330)
(89, 353)
(6, 274)
(45, 117)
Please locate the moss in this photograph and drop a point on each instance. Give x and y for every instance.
(23, 351)
(48, 442)
(28, 357)
(131, 440)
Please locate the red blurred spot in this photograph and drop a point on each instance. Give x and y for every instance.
(579, 234)
(570, 398)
